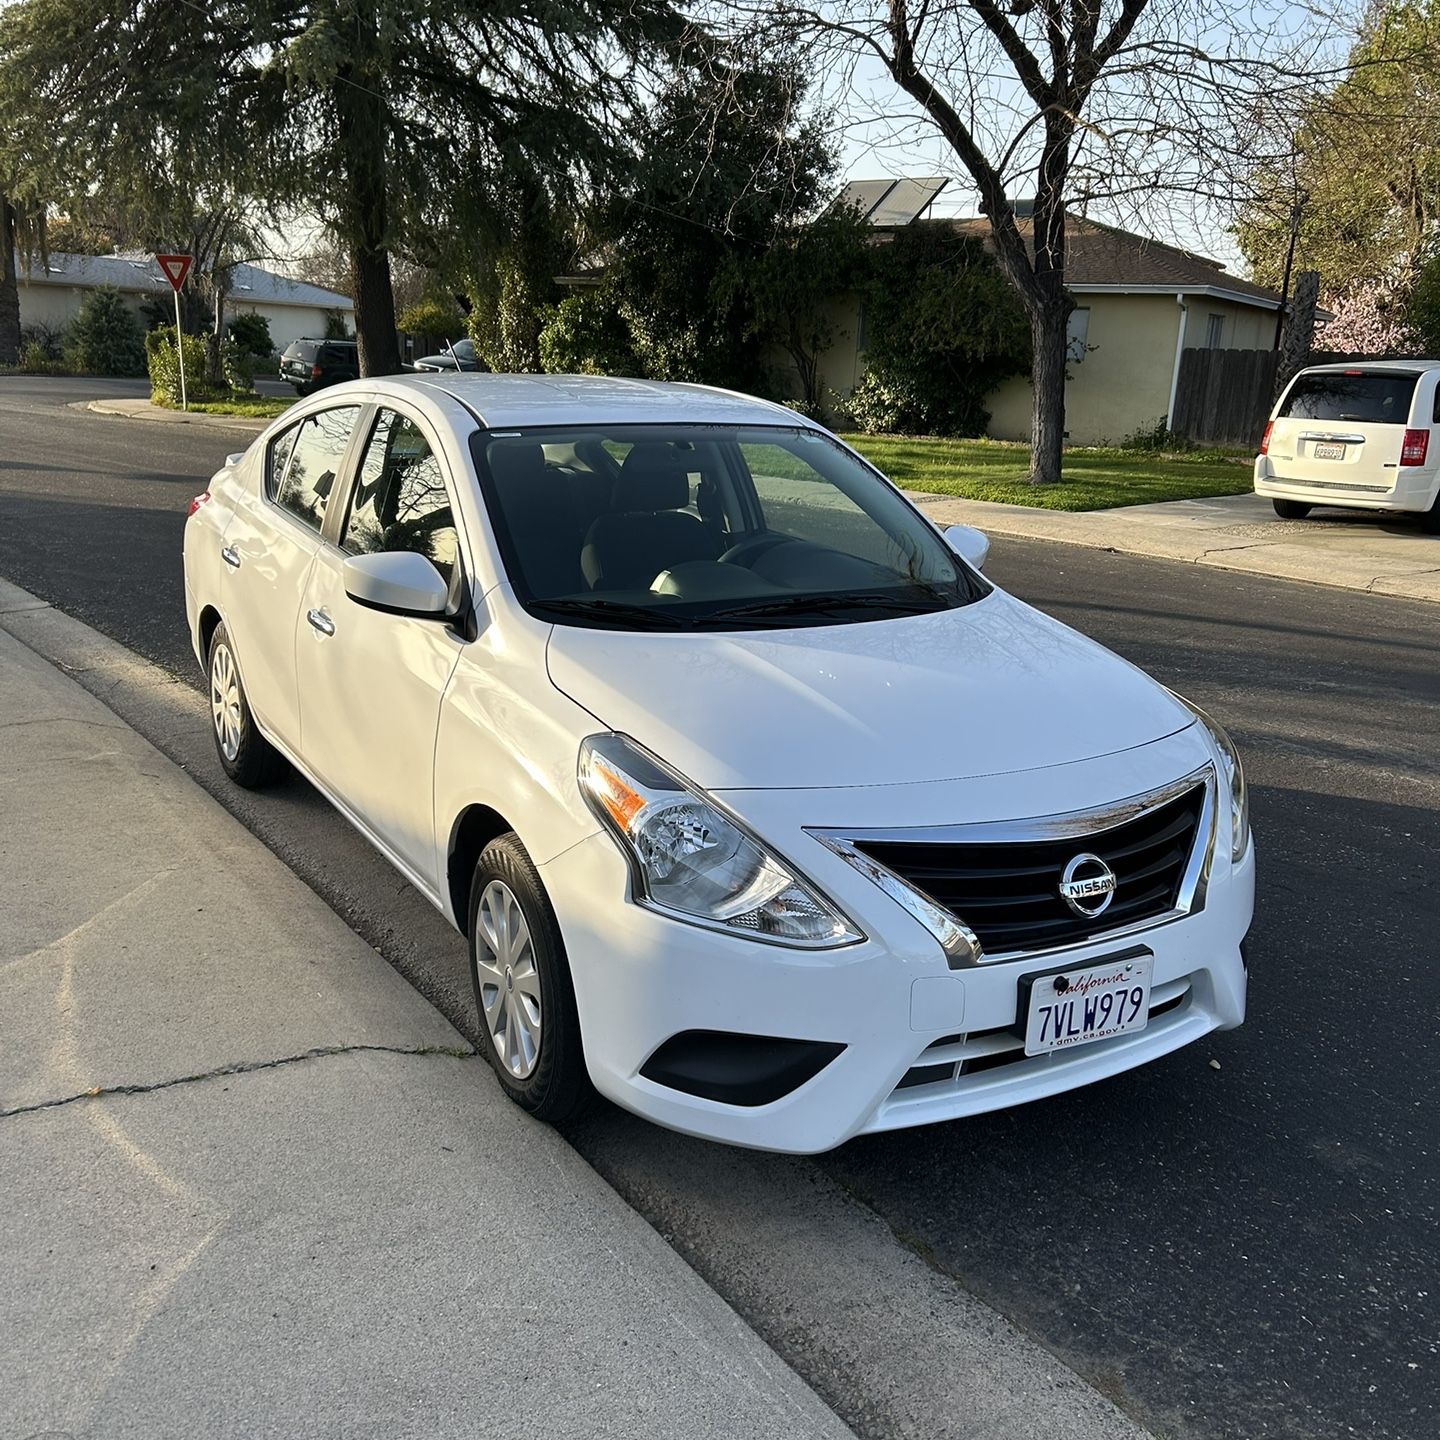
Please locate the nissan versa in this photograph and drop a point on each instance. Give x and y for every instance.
(760, 807)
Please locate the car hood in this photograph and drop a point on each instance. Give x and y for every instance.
(991, 687)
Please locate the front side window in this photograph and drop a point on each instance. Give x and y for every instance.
(1372, 397)
(315, 460)
(708, 526)
(400, 500)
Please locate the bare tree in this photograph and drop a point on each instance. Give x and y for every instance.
(1058, 106)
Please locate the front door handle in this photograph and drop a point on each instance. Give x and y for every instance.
(321, 621)
(230, 555)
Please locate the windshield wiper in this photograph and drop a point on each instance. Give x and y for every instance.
(647, 616)
(832, 605)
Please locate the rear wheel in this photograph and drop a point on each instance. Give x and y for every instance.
(529, 1026)
(246, 756)
(1291, 509)
(1430, 519)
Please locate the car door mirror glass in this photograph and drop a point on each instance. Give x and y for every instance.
(399, 582)
(970, 544)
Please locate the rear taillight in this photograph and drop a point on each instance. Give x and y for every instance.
(1265, 438)
(1414, 446)
(197, 502)
(316, 372)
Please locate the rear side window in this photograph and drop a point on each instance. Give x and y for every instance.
(277, 458)
(315, 459)
(1372, 398)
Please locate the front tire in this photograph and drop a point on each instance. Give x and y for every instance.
(1291, 509)
(246, 756)
(529, 1025)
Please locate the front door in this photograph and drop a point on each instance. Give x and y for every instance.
(371, 683)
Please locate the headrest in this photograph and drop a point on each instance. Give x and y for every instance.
(515, 463)
(653, 477)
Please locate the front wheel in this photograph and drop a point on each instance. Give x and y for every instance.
(530, 1028)
(246, 756)
(1291, 509)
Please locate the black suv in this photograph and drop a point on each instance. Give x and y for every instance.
(311, 365)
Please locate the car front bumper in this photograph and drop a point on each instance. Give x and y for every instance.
(893, 1001)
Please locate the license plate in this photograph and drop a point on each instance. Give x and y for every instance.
(1076, 1007)
(1329, 452)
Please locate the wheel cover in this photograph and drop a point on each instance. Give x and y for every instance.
(225, 701)
(509, 981)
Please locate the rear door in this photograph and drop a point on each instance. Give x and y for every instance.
(269, 547)
(1343, 427)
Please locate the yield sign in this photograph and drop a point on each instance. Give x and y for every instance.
(176, 268)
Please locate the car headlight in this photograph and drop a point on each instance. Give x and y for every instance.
(1234, 773)
(692, 860)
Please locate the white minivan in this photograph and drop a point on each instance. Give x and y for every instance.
(1359, 435)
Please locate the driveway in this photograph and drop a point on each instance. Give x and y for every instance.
(1352, 549)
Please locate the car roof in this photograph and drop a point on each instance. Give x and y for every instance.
(499, 401)
(1411, 367)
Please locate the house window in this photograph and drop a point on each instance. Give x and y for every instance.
(1215, 333)
(1077, 332)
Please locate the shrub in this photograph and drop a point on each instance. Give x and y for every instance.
(250, 333)
(432, 318)
(585, 334)
(35, 359)
(944, 329)
(163, 364)
(45, 339)
(336, 326)
(105, 337)
(1158, 436)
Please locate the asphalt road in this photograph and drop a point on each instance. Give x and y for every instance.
(1233, 1252)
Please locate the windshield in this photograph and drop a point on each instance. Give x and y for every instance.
(711, 527)
(1374, 398)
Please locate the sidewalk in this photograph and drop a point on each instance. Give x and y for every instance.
(252, 1184)
(1382, 556)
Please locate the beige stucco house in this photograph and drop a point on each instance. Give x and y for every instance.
(1139, 305)
(52, 291)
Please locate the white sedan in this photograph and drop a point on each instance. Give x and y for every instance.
(761, 809)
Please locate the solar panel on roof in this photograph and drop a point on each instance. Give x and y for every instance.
(907, 200)
(864, 195)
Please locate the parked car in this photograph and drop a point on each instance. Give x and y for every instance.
(311, 365)
(760, 807)
(459, 356)
(1363, 436)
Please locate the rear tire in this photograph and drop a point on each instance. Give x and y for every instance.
(1430, 519)
(246, 756)
(524, 998)
(1291, 509)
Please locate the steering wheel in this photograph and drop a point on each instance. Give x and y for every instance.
(750, 550)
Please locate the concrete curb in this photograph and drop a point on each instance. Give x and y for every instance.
(144, 410)
(1226, 535)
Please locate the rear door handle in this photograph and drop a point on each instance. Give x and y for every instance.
(321, 621)
(230, 555)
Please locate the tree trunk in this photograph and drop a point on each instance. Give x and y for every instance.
(9, 289)
(1048, 333)
(366, 215)
(214, 369)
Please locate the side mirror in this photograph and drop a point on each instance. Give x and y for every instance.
(399, 582)
(970, 544)
(235, 458)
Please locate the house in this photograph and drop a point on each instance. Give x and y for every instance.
(52, 291)
(1139, 304)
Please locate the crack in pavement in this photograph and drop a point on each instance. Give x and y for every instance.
(241, 1067)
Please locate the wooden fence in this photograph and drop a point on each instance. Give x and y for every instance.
(1223, 397)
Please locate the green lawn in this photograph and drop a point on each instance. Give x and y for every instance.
(1092, 479)
(251, 407)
